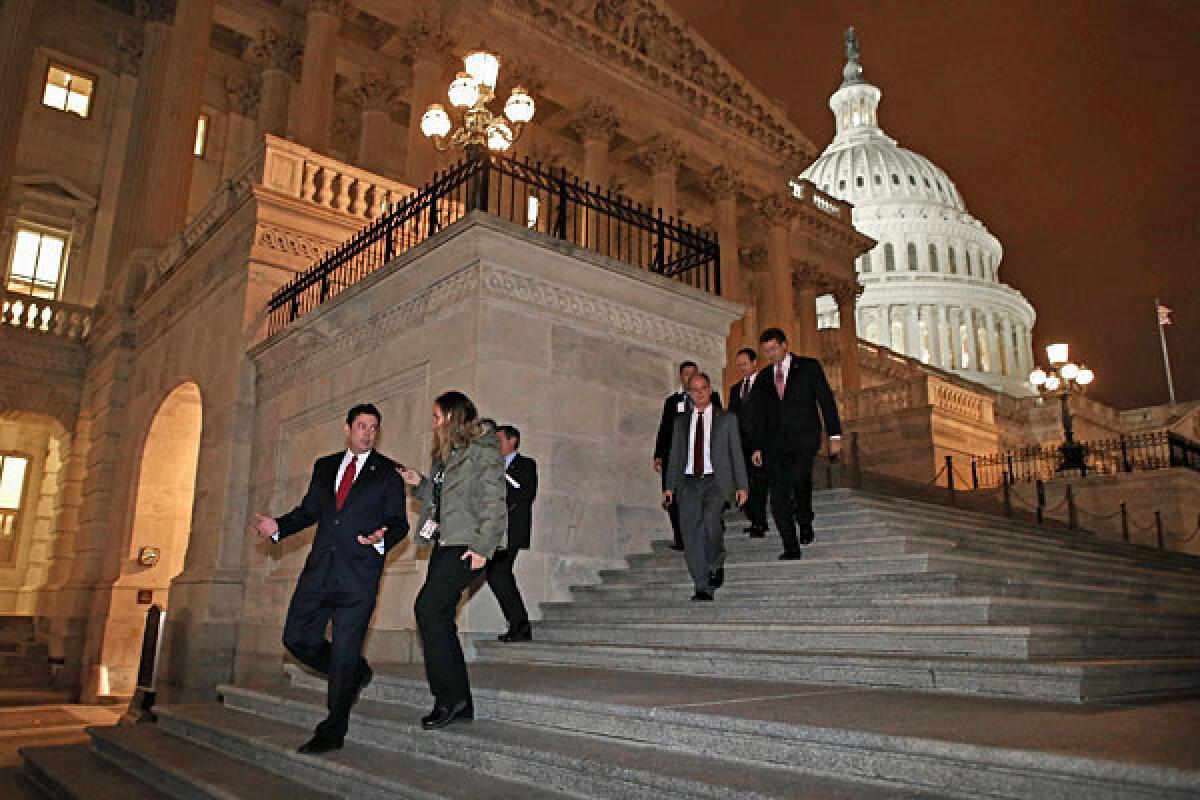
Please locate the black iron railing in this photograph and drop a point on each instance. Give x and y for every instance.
(540, 198)
(1135, 453)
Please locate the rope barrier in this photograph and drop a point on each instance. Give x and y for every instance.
(934, 480)
(1113, 515)
(1133, 523)
(1189, 537)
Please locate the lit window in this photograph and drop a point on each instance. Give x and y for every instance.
(37, 264)
(201, 136)
(531, 211)
(68, 91)
(12, 487)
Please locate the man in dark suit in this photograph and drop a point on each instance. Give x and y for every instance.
(739, 400)
(676, 403)
(520, 476)
(706, 471)
(786, 428)
(357, 500)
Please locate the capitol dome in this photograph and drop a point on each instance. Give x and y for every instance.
(931, 284)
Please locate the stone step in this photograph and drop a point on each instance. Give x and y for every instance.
(1060, 681)
(840, 610)
(185, 770)
(74, 772)
(981, 641)
(553, 757)
(370, 768)
(913, 765)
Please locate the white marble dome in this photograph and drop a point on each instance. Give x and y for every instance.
(931, 285)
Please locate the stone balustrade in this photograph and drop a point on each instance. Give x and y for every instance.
(310, 177)
(808, 193)
(45, 316)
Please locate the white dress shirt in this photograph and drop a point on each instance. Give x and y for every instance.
(707, 416)
(746, 386)
(360, 461)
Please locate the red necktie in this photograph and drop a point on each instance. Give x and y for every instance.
(347, 482)
(779, 385)
(698, 447)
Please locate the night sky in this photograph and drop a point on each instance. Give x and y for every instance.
(1071, 128)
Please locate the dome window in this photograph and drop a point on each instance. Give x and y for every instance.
(952, 258)
(933, 259)
(912, 180)
(895, 179)
(866, 262)
(889, 258)
(858, 181)
(841, 185)
(878, 179)
(912, 257)
(927, 186)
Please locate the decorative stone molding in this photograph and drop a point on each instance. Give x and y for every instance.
(345, 132)
(273, 50)
(427, 38)
(300, 244)
(579, 305)
(527, 75)
(241, 95)
(662, 154)
(154, 10)
(378, 91)
(723, 182)
(777, 209)
(128, 60)
(338, 8)
(755, 256)
(595, 120)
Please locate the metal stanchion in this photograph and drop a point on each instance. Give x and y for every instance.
(1008, 508)
(1072, 511)
(147, 676)
(1158, 529)
(1124, 523)
(950, 478)
(1041, 501)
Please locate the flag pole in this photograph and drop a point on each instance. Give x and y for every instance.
(1162, 339)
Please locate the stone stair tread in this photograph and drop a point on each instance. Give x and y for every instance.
(384, 769)
(902, 628)
(211, 772)
(618, 757)
(74, 771)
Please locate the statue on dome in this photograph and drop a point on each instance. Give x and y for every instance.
(852, 51)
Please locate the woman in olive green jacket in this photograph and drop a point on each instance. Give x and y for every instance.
(465, 516)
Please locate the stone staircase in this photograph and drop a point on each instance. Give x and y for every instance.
(911, 654)
(24, 663)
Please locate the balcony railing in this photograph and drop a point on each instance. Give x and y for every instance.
(44, 316)
(1135, 453)
(542, 199)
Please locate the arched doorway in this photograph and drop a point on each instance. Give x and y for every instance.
(158, 541)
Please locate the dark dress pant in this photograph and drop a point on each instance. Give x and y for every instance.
(790, 476)
(701, 510)
(500, 577)
(436, 608)
(756, 504)
(672, 511)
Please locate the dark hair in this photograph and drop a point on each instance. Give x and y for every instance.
(510, 432)
(461, 426)
(685, 364)
(704, 375)
(749, 353)
(775, 334)
(363, 408)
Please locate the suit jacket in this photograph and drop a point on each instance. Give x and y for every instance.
(670, 410)
(725, 452)
(377, 498)
(792, 424)
(741, 408)
(520, 501)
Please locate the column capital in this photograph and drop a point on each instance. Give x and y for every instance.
(378, 91)
(807, 275)
(756, 256)
(777, 209)
(595, 120)
(526, 74)
(128, 60)
(846, 292)
(154, 10)
(427, 37)
(724, 183)
(275, 50)
(338, 8)
(241, 94)
(662, 154)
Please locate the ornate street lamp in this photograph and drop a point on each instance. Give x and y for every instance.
(1060, 380)
(472, 90)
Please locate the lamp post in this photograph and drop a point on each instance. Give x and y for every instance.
(481, 129)
(1060, 380)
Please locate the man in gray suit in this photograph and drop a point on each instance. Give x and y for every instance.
(705, 471)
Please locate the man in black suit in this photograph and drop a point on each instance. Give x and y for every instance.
(357, 500)
(520, 476)
(675, 404)
(739, 401)
(786, 429)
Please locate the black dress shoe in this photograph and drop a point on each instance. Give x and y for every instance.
(805, 535)
(796, 556)
(441, 716)
(678, 547)
(521, 633)
(316, 746)
(717, 579)
(702, 597)
(365, 676)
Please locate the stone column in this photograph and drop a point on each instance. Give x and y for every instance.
(16, 58)
(808, 340)
(377, 94)
(779, 311)
(755, 290)
(912, 332)
(848, 338)
(314, 94)
(988, 342)
(241, 133)
(933, 319)
(278, 54)
(1009, 352)
(968, 316)
(663, 155)
(426, 38)
(944, 339)
(723, 186)
(596, 124)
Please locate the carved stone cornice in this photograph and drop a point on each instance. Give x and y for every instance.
(275, 50)
(662, 154)
(160, 11)
(338, 8)
(378, 91)
(777, 209)
(526, 74)
(755, 256)
(241, 95)
(723, 183)
(128, 60)
(426, 37)
(595, 120)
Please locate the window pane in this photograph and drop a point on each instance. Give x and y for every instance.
(55, 97)
(25, 254)
(50, 260)
(77, 103)
(201, 136)
(12, 480)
